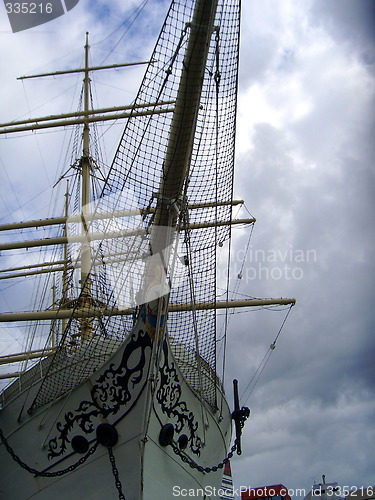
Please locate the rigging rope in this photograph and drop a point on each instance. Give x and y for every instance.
(258, 372)
(135, 13)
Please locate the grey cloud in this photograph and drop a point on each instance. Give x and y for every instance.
(350, 22)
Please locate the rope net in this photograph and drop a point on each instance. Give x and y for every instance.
(142, 191)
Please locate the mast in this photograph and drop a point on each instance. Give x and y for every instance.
(86, 325)
(184, 119)
(64, 295)
(51, 314)
(106, 215)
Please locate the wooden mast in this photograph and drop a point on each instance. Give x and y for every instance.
(86, 295)
(50, 314)
(69, 313)
(64, 295)
(184, 119)
(106, 215)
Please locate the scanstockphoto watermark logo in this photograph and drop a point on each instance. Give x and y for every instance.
(235, 492)
(332, 490)
(25, 15)
(273, 264)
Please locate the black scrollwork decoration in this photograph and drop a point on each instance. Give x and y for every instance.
(169, 395)
(114, 393)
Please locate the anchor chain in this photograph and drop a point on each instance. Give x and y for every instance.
(200, 468)
(116, 475)
(71, 468)
(239, 415)
(36, 472)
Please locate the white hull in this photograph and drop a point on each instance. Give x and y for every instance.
(119, 393)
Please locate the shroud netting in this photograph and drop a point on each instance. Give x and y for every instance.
(134, 182)
(139, 166)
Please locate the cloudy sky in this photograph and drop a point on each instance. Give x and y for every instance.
(305, 166)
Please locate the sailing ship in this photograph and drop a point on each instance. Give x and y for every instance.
(124, 399)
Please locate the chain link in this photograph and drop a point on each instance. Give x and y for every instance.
(200, 468)
(41, 473)
(121, 495)
(71, 468)
(115, 471)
